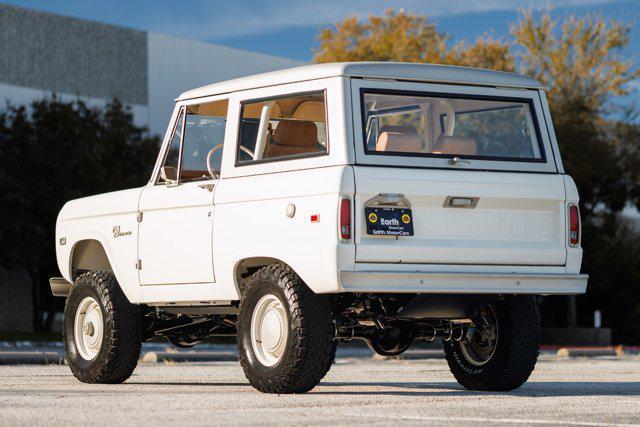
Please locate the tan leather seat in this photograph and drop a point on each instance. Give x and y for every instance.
(400, 139)
(455, 145)
(293, 137)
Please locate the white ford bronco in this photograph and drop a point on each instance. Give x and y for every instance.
(297, 209)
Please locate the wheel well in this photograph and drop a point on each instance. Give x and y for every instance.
(89, 255)
(248, 266)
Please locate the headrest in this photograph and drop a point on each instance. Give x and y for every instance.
(455, 145)
(398, 129)
(254, 111)
(310, 110)
(296, 133)
(402, 139)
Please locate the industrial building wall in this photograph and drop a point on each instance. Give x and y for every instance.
(43, 53)
(177, 65)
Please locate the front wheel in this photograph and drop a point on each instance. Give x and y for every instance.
(285, 332)
(500, 350)
(102, 330)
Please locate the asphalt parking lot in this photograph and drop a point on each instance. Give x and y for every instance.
(595, 391)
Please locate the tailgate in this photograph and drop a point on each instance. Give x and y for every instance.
(464, 217)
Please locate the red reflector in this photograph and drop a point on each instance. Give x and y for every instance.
(315, 218)
(345, 219)
(574, 225)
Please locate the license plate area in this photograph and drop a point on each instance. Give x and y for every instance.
(389, 221)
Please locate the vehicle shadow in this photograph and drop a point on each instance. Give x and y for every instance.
(188, 384)
(530, 389)
(373, 388)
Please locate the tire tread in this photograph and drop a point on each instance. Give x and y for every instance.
(519, 350)
(313, 349)
(118, 357)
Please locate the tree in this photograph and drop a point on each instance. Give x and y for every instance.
(53, 152)
(405, 37)
(583, 67)
(581, 61)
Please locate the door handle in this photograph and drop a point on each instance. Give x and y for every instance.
(457, 160)
(208, 186)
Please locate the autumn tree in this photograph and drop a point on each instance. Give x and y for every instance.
(405, 37)
(581, 63)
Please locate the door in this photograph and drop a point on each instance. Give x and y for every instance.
(175, 243)
(464, 217)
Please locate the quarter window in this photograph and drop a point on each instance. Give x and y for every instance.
(282, 128)
(173, 155)
(172, 158)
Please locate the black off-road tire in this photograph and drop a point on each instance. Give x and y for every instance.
(310, 348)
(122, 337)
(516, 351)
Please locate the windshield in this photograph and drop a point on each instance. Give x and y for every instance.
(441, 126)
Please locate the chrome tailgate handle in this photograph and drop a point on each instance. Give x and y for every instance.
(461, 202)
(388, 200)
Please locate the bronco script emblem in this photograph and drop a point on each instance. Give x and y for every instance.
(118, 233)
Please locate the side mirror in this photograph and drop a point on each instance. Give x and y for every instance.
(169, 175)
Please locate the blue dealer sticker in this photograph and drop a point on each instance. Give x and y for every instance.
(389, 221)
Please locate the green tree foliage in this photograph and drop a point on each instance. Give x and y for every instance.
(582, 63)
(52, 152)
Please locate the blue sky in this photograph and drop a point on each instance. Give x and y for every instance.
(288, 27)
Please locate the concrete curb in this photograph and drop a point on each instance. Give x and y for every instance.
(190, 356)
(588, 352)
(31, 358)
(166, 354)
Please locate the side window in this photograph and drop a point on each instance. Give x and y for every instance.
(204, 132)
(170, 165)
(286, 127)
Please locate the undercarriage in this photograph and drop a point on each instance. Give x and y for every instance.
(388, 323)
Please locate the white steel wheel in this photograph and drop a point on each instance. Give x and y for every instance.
(269, 330)
(88, 328)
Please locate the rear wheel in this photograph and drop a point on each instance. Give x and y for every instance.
(285, 332)
(501, 349)
(102, 330)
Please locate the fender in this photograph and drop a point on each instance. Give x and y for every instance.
(131, 290)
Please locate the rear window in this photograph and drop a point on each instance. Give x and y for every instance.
(434, 125)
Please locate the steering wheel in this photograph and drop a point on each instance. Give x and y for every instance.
(212, 172)
(246, 150)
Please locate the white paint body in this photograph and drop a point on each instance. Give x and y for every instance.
(191, 241)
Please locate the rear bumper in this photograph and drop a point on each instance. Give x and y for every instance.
(462, 283)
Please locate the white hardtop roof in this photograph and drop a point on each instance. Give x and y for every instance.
(387, 70)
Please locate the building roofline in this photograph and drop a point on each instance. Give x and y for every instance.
(432, 73)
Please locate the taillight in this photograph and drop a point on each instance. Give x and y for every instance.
(574, 225)
(345, 219)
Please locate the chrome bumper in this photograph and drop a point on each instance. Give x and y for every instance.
(59, 286)
(462, 283)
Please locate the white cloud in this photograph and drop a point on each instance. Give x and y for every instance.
(218, 20)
